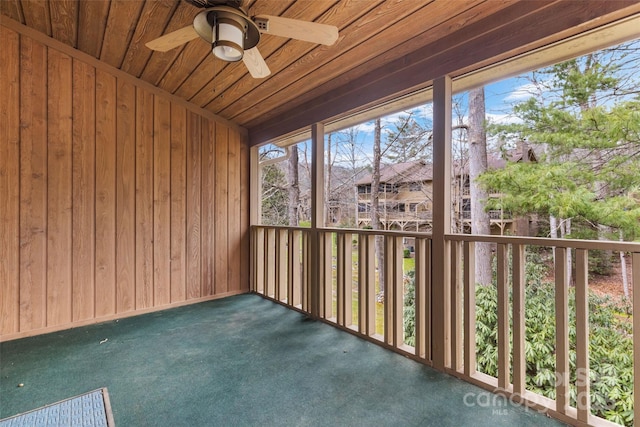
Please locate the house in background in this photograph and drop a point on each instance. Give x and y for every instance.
(406, 196)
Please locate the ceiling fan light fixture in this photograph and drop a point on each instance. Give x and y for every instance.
(228, 39)
(228, 30)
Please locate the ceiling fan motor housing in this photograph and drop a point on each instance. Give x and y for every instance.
(204, 23)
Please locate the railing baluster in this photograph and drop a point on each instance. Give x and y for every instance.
(469, 308)
(503, 318)
(367, 284)
(326, 283)
(519, 362)
(398, 291)
(282, 258)
(259, 257)
(344, 279)
(293, 271)
(562, 331)
(422, 308)
(456, 306)
(583, 399)
(277, 270)
(340, 277)
(388, 289)
(270, 264)
(347, 297)
(306, 271)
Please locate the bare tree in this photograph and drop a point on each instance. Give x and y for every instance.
(294, 186)
(480, 222)
(375, 201)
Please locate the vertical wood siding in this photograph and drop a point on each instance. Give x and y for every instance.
(114, 199)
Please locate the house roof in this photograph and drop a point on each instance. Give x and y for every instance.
(385, 48)
(420, 171)
(397, 173)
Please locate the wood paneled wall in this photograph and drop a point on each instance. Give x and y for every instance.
(115, 198)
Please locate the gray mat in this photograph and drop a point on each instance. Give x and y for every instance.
(91, 409)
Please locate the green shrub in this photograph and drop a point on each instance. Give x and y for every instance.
(610, 344)
(409, 312)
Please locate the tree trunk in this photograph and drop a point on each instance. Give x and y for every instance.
(294, 186)
(565, 230)
(623, 269)
(375, 203)
(480, 222)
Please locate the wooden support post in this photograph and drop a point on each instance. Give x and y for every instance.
(255, 194)
(440, 265)
(317, 213)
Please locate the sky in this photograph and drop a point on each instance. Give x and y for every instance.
(500, 97)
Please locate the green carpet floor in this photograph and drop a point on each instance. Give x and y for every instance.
(241, 361)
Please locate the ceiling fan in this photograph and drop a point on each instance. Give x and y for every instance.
(234, 35)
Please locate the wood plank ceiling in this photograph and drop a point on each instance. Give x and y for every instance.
(377, 39)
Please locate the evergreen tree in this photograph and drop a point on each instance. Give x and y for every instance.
(588, 125)
(408, 140)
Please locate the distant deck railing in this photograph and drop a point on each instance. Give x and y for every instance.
(348, 297)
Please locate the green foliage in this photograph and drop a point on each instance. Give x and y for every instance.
(610, 345)
(588, 125)
(406, 253)
(409, 318)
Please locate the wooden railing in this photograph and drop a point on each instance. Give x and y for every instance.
(348, 280)
(349, 297)
(511, 315)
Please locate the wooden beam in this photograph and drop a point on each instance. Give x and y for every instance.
(448, 56)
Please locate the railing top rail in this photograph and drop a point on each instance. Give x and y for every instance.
(281, 227)
(377, 232)
(362, 231)
(544, 241)
(531, 241)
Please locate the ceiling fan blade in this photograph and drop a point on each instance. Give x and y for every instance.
(297, 29)
(173, 39)
(255, 63)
